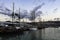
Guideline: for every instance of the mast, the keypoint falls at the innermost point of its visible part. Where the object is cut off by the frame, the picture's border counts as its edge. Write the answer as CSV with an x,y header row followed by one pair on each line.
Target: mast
x,y
19,16
13,14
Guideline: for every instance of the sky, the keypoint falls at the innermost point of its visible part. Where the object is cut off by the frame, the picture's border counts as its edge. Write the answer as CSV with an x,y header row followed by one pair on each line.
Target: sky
x,y
50,10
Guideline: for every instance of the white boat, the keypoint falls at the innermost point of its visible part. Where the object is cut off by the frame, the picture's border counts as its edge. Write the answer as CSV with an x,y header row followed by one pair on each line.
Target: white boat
x,y
33,28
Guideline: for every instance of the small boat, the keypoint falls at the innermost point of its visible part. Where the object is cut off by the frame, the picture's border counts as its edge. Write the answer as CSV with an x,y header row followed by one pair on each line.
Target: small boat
x,y
33,29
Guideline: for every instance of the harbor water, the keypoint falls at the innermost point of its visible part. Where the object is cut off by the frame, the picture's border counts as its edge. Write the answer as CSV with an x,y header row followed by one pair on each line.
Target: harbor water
x,y
43,34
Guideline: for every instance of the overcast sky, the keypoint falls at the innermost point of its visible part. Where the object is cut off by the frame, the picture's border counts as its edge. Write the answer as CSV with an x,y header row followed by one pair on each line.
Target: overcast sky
x,y
50,10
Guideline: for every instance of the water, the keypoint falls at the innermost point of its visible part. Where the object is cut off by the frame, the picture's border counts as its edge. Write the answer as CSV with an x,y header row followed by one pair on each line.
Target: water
x,y
44,34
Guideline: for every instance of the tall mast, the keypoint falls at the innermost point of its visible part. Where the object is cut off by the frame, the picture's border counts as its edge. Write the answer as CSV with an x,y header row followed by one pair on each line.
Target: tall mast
x,y
19,16
13,14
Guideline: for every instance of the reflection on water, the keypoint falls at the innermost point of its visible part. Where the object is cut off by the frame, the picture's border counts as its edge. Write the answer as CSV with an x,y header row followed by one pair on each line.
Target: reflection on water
x,y
44,34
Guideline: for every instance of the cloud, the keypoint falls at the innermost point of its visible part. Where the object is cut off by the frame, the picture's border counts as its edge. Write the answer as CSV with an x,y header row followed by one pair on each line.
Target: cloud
x,y
51,0
38,13
34,11
55,10
23,14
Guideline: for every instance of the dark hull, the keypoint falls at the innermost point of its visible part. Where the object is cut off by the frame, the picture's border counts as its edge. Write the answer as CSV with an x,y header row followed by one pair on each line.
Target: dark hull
x,y
13,30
